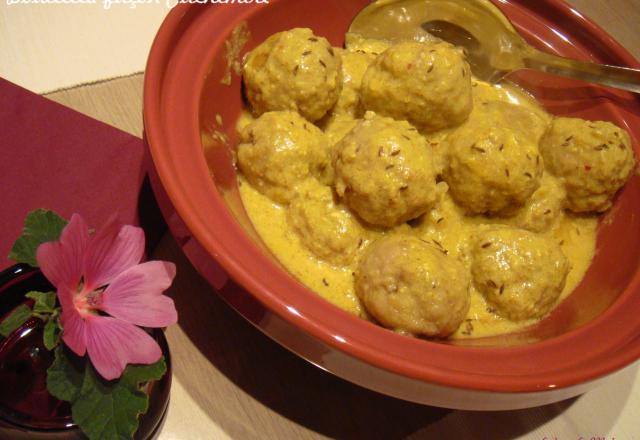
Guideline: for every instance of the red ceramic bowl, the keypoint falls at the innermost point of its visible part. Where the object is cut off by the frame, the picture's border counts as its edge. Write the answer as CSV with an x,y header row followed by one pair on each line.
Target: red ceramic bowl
x,y
592,334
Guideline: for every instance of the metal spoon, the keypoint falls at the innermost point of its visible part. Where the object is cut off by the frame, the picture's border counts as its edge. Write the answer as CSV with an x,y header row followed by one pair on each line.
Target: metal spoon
x,y
493,46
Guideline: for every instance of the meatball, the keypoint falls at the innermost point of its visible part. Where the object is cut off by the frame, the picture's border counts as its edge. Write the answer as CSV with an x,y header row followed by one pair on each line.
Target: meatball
x,y
491,168
544,207
327,229
427,84
280,150
593,159
384,172
412,286
521,274
293,70
354,64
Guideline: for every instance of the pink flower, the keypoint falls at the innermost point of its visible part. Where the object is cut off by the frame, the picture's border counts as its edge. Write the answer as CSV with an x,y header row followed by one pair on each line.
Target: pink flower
x,y
105,294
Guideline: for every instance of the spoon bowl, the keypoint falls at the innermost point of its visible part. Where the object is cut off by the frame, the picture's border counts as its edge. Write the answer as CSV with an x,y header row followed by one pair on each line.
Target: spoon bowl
x,y
492,45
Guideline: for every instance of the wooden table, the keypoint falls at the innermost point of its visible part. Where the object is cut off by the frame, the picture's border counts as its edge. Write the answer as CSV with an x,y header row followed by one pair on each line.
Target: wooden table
x,y
230,381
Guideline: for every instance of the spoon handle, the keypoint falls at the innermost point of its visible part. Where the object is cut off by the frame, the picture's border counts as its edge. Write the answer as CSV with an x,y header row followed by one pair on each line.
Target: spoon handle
x,y
623,78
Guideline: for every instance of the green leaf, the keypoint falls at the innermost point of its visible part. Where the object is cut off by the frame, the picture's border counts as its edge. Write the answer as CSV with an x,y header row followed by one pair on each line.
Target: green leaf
x,y
40,226
135,375
64,377
19,316
51,334
102,409
110,410
45,302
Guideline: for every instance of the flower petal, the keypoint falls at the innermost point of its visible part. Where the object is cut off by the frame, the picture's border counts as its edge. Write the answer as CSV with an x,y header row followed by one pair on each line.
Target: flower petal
x,y
112,344
62,261
73,325
136,295
110,251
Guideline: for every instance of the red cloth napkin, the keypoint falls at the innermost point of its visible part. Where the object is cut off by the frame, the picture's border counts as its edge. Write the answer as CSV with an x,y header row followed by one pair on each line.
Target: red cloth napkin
x,y
55,158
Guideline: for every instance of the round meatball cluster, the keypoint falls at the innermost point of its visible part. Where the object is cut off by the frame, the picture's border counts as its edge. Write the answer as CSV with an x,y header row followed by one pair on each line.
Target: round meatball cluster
x,y
280,150
384,172
400,125
412,286
521,274
427,84
293,70
593,159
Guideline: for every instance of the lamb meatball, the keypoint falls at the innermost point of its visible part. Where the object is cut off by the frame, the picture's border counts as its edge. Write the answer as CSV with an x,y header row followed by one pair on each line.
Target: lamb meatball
x,y
280,150
544,207
327,229
520,274
593,159
491,168
384,172
427,84
411,286
293,70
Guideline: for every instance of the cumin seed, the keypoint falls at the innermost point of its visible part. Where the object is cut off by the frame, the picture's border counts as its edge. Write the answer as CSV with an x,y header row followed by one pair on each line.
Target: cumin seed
x,y
306,52
486,245
323,64
324,281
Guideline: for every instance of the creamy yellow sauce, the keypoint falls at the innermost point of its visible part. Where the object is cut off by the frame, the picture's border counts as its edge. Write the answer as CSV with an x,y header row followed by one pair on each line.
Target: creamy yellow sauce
x,y
446,223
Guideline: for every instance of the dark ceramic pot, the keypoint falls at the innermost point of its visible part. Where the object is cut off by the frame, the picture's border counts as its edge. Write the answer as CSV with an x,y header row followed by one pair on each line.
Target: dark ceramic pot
x,y
27,410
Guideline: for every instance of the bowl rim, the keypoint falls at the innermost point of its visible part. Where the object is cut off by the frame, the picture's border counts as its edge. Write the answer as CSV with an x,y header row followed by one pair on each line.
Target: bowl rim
x,y
600,355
